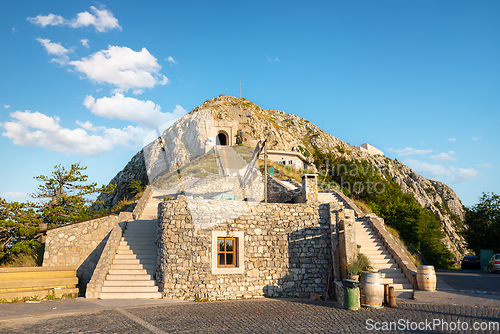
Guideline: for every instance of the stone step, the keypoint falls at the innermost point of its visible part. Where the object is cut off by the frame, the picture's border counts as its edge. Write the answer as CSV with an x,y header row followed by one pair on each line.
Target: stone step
x,y
134,237
142,257
133,266
390,272
130,272
378,257
135,261
127,283
141,241
138,252
392,280
130,289
128,277
138,241
372,245
137,247
131,295
385,265
374,252
382,261
406,286
373,248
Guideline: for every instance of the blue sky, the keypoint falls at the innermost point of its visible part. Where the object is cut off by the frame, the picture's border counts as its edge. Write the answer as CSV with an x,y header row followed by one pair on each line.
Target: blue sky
x,y
85,81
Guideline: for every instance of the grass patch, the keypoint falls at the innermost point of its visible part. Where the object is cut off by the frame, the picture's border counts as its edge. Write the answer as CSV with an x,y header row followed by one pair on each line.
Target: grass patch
x,y
244,152
199,168
49,296
363,206
281,171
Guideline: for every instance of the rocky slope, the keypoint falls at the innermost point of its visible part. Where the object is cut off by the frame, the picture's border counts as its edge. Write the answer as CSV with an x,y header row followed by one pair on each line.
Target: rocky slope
x,y
184,141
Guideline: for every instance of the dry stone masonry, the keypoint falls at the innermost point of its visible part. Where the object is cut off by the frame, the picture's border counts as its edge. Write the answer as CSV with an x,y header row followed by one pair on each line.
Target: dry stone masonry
x,y
286,248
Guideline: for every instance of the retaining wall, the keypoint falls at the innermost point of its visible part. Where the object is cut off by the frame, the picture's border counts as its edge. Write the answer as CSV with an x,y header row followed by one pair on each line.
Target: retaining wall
x,y
80,244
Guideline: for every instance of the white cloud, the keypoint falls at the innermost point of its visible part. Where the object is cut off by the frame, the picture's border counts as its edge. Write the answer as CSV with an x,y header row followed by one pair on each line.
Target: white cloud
x,y
171,60
103,20
90,127
484,165
475,138
270,59
146,113
464,175
37,129
53,48
427,169
14,195
122,67
452,139
13,30
85,43
7,106
411,151
444,156
440,172
51,19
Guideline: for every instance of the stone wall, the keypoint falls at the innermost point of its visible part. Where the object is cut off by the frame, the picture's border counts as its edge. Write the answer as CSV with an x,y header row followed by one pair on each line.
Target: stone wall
x,y
94,287
348,250
310,187
279,193
79,244
286,250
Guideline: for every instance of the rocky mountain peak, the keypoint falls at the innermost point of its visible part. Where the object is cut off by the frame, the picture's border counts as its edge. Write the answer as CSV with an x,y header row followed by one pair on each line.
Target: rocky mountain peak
x,y
245,123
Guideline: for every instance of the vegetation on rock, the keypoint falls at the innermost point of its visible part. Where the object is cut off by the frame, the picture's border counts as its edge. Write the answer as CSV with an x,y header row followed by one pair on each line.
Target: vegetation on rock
x,y
361,180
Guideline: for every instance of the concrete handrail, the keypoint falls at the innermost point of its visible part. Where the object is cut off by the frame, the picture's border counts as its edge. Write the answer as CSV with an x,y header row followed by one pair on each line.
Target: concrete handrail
x,y
141,205
348,203
94,287
397,252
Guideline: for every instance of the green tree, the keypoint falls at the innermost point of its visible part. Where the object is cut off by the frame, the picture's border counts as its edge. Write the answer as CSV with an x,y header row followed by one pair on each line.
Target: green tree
x,y
64,197
482,224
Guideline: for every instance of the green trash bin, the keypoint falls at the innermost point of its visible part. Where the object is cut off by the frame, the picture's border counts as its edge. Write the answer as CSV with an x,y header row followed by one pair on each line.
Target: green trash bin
x,y
351,294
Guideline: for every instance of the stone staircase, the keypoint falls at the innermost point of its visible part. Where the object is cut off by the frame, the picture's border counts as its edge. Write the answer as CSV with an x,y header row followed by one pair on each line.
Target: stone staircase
x,y
231,162
132,271
381,260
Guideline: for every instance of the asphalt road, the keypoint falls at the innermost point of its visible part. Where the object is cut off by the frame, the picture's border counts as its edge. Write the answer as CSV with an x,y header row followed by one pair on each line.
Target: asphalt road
x,y
266,316
470,280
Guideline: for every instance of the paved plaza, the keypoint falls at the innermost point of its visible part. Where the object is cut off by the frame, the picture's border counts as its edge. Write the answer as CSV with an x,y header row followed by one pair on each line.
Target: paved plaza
x,y
252,316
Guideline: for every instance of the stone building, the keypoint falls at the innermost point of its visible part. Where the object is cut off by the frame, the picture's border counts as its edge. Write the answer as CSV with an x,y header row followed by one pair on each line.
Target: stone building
x,y
272,249
370,149
294,159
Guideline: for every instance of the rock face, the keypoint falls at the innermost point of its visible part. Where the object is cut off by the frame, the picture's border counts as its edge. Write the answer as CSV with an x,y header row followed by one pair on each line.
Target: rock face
x,y
186,138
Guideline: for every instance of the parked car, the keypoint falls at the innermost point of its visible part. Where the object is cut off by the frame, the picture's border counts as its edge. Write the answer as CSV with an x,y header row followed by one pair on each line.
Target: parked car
x,y
494,264
471,262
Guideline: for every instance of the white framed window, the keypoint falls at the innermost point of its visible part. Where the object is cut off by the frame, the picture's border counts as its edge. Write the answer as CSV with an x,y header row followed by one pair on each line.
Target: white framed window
x,y
228,253
290,162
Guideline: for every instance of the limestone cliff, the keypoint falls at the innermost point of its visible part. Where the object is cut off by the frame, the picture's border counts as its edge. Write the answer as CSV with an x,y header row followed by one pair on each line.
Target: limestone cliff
x,y
186,139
